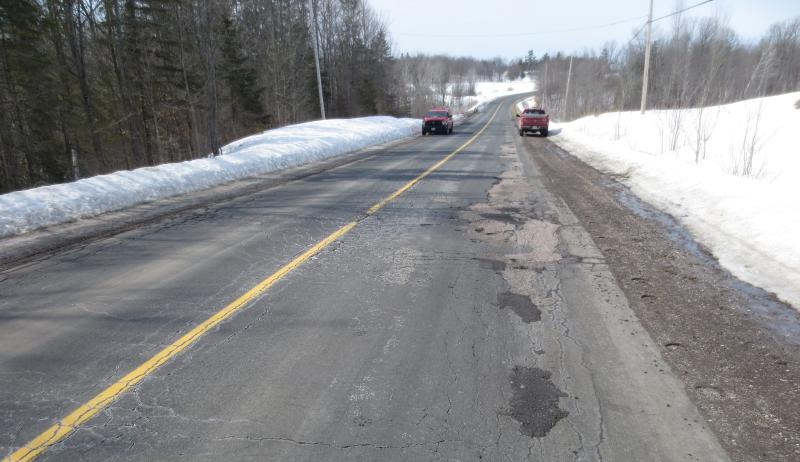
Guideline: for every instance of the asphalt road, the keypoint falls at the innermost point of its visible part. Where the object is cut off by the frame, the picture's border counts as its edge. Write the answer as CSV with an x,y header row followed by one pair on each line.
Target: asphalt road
x,y
472,317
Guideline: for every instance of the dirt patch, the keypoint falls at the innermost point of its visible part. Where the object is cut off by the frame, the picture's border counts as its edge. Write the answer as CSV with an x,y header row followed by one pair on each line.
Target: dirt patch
x,y
534,403
734,346
520,304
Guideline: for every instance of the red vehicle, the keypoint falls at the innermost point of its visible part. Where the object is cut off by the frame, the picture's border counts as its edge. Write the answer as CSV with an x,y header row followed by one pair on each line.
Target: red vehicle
x,y
533,120
438,120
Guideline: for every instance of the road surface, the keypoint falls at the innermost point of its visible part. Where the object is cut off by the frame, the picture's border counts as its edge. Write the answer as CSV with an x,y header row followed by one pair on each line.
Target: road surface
x,y
472,317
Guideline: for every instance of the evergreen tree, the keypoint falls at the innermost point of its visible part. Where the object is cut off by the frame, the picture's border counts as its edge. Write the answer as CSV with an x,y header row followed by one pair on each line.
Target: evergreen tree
x,y
242,79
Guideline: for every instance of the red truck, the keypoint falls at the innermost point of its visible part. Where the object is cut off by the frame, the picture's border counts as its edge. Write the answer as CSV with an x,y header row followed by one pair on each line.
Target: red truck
x,y
438,120
533,120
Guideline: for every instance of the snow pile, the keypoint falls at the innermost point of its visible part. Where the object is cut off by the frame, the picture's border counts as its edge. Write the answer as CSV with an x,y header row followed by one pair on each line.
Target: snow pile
x,y
269,151
730,174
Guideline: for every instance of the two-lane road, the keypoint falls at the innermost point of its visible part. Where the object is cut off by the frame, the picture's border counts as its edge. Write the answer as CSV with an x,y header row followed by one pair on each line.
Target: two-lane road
x,y
470,317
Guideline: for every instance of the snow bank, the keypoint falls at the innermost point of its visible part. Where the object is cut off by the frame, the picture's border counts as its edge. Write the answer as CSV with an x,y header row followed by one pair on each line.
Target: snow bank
x,y
269,151
695,165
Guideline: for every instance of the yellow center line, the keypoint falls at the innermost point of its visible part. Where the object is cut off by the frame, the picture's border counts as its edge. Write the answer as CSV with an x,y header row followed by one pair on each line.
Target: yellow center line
x,y
86,411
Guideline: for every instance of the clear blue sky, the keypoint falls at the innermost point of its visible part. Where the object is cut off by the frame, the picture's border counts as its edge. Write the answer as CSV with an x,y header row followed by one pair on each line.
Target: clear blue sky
x,y
485,28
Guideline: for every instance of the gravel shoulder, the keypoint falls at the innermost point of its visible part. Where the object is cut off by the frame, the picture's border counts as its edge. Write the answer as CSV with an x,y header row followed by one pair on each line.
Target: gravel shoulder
x,y
736,347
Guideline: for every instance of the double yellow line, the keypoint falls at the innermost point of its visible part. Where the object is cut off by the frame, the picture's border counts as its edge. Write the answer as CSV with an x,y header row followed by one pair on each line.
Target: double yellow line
x,y
64,427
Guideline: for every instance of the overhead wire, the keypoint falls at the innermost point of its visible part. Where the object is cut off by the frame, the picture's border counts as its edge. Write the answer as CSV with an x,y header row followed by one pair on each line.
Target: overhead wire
x,y
681,11
639,31
561,31
524,34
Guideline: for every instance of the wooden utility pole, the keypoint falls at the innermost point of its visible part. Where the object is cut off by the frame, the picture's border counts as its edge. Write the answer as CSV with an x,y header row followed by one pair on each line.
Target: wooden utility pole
x,y
566,96
76,172
544,85
316,58
648,45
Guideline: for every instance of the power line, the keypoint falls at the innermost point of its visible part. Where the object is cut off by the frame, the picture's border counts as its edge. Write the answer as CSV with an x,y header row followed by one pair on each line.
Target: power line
x,y
526,34
561,31
636,34
639,31
681,11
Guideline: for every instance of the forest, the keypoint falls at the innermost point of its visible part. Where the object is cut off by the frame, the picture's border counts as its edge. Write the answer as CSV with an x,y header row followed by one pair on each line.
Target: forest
x,y
92,86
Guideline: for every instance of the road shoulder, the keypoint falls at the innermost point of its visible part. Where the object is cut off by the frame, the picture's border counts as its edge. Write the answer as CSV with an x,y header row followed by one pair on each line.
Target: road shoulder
x,y
735,347
619,400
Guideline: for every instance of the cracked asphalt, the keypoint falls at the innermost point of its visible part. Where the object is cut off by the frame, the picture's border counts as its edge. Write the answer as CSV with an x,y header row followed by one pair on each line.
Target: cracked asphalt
x,y
473,318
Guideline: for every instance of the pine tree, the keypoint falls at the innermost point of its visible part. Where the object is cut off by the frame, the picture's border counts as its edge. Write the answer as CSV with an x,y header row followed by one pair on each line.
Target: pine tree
x,y
31,146
241,79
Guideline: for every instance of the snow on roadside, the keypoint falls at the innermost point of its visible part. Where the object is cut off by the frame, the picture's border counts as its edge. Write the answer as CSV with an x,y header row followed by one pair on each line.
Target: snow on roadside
x,y
750,223
272,150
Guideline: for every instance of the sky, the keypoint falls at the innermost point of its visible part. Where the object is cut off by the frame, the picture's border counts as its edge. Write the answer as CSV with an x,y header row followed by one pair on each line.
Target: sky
x,y
509,28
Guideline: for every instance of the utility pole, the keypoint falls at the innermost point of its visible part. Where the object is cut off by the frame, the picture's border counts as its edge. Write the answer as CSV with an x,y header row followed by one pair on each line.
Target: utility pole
x,y
648,45
566,97
76,172
544,85
316,58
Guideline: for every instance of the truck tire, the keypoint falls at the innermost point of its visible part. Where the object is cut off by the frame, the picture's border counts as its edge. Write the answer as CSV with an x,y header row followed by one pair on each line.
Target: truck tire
x,y
521,133
544,133
424,132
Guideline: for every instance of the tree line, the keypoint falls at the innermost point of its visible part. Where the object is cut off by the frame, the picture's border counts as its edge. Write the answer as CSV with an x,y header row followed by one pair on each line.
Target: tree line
x,y
120,84
694,63
439,80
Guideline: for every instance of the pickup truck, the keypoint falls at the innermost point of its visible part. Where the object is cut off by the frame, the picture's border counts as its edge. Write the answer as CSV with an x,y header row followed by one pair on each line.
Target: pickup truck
x,y
438,120
533,120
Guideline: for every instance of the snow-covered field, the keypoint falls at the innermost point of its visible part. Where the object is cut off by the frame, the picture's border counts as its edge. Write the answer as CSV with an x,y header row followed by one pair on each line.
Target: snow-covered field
x,y
486,92
525,104
489,91
269,151
730,174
